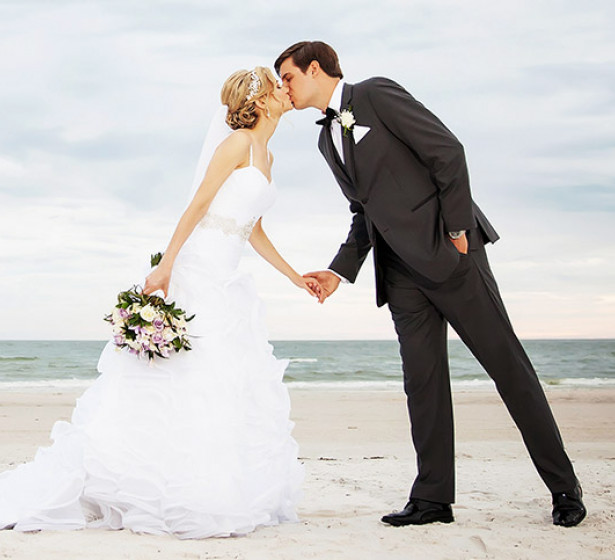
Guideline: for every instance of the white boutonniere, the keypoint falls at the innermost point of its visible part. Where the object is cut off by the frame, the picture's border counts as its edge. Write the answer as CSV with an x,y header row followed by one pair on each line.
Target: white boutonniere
x,y
347,120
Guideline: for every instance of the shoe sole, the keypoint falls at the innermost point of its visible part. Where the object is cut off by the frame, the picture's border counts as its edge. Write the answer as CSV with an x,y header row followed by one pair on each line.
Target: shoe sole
x,y
395,522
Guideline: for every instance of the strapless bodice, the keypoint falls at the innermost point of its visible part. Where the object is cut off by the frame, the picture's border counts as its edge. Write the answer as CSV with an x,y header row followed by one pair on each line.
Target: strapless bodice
x,y
214,249
243,198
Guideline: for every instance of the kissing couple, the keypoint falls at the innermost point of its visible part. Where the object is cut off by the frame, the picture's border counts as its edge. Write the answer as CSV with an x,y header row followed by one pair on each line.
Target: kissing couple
x,y
200,445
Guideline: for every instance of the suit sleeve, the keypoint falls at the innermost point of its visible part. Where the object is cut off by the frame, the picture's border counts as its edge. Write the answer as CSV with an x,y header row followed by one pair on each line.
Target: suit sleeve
x,y
434,145
353,251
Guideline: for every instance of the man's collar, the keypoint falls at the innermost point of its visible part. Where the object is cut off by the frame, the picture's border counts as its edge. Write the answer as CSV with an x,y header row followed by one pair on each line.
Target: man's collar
x,y
336,97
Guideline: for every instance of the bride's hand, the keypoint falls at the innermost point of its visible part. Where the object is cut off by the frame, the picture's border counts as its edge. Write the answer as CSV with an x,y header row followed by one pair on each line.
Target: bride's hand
x,y
310,285
158,279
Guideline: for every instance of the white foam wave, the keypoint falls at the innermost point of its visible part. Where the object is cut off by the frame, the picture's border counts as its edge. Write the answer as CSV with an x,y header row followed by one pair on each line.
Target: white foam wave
x,y
303,360
580,382
466,384
46,385
346,385
471,383
463,385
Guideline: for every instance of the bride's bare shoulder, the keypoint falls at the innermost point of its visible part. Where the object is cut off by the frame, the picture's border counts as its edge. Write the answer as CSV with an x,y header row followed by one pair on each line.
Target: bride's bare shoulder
x,y
237,143
242,135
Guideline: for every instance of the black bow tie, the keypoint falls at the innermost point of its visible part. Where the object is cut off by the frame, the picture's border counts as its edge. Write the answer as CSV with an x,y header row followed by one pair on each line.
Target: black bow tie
x,y
330,114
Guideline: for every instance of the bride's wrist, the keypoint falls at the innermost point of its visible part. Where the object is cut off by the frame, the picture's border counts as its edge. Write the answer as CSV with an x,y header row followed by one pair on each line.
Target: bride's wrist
x,y
166,263
163,268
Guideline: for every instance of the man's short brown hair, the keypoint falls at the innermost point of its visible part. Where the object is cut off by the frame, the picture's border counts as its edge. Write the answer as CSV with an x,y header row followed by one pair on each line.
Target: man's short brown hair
x,y
304,52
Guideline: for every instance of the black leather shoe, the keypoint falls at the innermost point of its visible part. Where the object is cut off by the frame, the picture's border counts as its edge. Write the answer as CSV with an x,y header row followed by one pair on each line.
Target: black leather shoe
x,y
568,508
420,512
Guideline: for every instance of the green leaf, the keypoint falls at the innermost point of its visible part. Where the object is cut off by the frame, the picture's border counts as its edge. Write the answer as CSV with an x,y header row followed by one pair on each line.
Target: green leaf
x,y
155,259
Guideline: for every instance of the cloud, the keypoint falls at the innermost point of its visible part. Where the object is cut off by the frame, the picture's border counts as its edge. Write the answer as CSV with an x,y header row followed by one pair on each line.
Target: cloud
x,y
578,198
105,106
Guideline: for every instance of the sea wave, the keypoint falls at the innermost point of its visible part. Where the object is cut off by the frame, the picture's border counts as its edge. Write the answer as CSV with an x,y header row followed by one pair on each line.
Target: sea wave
x,y
346,385
18,358
303,360
46,385
580,382
75,384
461,384
471,383
379,385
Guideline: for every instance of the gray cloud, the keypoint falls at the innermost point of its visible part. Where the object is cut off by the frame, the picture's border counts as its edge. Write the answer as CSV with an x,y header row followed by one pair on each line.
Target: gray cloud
x,y
105,105
576,198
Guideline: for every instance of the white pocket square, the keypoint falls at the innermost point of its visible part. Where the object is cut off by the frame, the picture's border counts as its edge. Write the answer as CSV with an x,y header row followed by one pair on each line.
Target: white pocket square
x,y
359,132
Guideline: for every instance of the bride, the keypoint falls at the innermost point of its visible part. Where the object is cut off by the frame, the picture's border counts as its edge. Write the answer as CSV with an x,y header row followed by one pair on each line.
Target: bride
x,y
198,445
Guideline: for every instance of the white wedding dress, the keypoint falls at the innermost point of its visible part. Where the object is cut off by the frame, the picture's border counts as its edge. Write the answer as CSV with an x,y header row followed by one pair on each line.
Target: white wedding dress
x,y
197,445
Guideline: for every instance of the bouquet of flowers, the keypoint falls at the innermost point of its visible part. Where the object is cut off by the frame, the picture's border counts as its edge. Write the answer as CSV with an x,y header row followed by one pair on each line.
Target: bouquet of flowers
x,y
147,325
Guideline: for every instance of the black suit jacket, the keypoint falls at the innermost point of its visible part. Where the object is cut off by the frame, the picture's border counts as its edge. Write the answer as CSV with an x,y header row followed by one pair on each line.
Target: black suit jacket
x,y
407,178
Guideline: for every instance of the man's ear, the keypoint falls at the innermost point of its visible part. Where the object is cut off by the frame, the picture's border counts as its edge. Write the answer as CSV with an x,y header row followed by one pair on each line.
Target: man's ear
x,y
314,68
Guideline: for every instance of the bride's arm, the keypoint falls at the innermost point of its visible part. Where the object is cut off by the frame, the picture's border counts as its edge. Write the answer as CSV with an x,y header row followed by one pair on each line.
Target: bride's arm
x,y
263,246
229,155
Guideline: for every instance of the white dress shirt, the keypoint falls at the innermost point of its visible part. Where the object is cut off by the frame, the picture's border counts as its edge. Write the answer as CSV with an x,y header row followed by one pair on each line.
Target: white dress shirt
x,y
336,128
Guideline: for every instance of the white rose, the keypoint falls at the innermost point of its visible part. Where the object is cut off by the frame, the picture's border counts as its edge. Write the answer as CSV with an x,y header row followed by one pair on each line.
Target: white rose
x,y
143,338
116,317
347,119
148,313
168,333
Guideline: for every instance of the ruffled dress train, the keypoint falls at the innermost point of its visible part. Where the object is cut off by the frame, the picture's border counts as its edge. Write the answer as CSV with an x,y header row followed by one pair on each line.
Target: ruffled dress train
x,y
197,445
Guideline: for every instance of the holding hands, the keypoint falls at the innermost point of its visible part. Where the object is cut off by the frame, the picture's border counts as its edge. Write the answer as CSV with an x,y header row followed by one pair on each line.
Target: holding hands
x,y
327,282
310,285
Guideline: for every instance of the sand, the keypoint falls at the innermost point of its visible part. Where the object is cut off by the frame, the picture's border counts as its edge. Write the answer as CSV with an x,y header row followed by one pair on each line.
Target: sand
x,y
359,465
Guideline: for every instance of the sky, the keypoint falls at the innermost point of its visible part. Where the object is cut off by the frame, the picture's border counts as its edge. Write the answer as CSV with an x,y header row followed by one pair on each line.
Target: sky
x,y
104,106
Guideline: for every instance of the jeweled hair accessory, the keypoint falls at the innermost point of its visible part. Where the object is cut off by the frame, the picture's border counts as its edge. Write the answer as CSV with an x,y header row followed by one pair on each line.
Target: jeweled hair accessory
x,y
255,85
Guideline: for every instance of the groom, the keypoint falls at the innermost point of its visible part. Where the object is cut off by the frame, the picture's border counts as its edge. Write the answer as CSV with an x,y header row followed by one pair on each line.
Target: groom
x,y
404,174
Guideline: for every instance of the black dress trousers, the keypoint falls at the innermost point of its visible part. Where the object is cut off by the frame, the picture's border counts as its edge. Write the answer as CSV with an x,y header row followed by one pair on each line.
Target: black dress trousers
x,y
469,300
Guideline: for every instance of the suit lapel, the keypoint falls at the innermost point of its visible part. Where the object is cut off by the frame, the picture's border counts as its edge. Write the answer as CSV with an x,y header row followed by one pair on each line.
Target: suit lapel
x,y
348,138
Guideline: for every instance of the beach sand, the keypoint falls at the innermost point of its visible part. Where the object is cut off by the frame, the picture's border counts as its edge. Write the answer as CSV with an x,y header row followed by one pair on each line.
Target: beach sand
x,y
359,464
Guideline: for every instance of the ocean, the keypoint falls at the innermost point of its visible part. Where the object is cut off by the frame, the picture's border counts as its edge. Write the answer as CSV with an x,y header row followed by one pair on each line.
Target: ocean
x,y
350,365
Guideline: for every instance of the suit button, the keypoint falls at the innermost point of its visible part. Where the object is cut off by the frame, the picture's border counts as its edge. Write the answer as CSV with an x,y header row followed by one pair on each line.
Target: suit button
x,y
364,201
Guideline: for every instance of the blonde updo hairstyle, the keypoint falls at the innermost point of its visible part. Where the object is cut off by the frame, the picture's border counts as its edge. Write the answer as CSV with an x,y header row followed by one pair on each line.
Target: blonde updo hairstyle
x,y
241,100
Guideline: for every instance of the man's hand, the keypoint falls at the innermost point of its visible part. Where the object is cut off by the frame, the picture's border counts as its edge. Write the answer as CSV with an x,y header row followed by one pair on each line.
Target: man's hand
x,y
328,283
461,244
